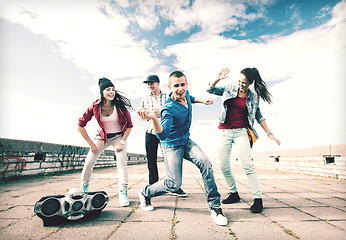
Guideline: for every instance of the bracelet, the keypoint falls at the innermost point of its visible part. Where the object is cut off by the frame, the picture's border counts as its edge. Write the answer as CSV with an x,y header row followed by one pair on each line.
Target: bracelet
x,y
122,142
270,134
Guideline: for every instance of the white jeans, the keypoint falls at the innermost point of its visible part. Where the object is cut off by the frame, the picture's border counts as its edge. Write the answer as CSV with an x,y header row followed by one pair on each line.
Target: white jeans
x,y
240,139
121,158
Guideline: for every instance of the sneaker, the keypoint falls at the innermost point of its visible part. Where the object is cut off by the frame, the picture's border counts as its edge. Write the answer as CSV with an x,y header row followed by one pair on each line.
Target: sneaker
x,y
123,199
85,187
257,206
145,202
232,198
179,193
218,217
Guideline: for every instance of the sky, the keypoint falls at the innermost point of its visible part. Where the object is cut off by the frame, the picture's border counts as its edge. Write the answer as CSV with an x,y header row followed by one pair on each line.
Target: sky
x,y
52,54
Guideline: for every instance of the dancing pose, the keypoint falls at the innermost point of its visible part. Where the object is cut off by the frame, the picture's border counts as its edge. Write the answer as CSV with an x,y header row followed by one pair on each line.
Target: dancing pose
x,y
240,108
114,119
174,132
153,102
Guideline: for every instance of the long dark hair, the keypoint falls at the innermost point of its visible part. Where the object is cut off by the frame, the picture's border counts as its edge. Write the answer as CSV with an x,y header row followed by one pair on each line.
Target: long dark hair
x,y
119,101
252,75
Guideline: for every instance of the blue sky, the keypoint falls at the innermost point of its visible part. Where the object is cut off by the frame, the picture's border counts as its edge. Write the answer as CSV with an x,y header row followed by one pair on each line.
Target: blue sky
x,y
53,53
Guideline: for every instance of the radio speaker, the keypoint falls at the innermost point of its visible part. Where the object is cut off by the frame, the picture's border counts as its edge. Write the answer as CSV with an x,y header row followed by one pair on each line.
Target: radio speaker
x,y
73,205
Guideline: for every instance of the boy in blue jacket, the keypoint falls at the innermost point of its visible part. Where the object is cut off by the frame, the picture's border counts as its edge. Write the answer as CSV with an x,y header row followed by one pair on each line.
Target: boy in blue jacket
x,y
174,134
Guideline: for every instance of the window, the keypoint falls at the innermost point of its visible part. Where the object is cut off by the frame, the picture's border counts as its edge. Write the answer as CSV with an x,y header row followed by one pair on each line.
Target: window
x,y
276,158
329,158
40,157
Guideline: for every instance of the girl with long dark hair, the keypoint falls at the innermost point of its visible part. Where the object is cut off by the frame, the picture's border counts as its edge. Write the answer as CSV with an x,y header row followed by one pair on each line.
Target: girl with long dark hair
x,y
240,109
112,114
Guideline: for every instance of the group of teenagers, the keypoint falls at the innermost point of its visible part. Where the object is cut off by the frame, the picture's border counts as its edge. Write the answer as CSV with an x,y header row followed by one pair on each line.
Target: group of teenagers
x,y
168,119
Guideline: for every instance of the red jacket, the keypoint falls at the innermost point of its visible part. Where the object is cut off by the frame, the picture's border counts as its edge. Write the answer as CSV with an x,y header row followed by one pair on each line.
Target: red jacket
x,y
95,110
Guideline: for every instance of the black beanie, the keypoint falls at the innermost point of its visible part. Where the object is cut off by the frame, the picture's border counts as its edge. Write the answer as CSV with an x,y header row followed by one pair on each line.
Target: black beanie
x,y
105,83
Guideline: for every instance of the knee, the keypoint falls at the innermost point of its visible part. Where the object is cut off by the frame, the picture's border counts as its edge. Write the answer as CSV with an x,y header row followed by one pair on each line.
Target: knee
x,y
225,166
173,185
122,164
249,169
89,164
204,163
121,160
225,170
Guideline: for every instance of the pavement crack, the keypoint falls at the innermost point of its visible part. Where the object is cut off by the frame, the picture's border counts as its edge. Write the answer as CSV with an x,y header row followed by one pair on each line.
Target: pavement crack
x,y
174,220
134,208
232,233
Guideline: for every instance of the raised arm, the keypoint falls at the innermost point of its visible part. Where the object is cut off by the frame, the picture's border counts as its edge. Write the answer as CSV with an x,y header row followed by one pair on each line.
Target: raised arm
x,y
218,90
222,75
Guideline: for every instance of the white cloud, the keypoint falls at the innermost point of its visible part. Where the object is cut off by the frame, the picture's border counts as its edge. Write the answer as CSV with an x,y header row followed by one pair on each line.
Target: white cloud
x,y
323,12
309,104
295,18
211,17
90,34
122,3
94,35
146,16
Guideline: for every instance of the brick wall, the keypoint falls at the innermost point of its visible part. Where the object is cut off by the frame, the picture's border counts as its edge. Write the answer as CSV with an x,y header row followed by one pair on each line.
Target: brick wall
x,y
23,158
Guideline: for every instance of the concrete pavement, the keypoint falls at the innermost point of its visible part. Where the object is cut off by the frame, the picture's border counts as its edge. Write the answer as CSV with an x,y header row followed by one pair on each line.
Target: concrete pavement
x,y
296,207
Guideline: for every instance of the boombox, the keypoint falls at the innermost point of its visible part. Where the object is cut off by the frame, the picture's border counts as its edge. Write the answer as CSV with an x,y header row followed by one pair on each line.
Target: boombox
x,y
73,205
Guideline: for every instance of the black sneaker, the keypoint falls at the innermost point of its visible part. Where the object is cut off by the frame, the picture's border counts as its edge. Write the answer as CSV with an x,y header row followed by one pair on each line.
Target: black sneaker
x,y
257,206
179,193
232,198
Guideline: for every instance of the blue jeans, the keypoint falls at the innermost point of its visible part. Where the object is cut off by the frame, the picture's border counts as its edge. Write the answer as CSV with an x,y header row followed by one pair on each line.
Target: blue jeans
x,y
173,157
240,139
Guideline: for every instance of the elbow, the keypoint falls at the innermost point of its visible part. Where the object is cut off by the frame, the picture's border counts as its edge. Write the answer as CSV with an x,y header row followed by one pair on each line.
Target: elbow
x,y
261,120
129,125
161,135
80,129
82,123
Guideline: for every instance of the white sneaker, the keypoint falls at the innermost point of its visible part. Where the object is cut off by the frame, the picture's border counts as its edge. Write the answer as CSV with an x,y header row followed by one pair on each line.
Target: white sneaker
x,y
123,198
145,202
218,217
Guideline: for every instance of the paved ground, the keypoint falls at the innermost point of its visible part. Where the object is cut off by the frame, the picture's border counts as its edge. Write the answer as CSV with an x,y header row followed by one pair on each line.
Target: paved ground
x,y
296,207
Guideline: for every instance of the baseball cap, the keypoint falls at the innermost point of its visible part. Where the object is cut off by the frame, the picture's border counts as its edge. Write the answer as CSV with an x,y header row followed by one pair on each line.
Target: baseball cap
x,y
152,78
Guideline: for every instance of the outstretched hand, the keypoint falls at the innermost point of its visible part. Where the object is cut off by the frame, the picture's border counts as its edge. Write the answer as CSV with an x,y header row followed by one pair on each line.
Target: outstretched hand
x,y
145,114
209,101
223,74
